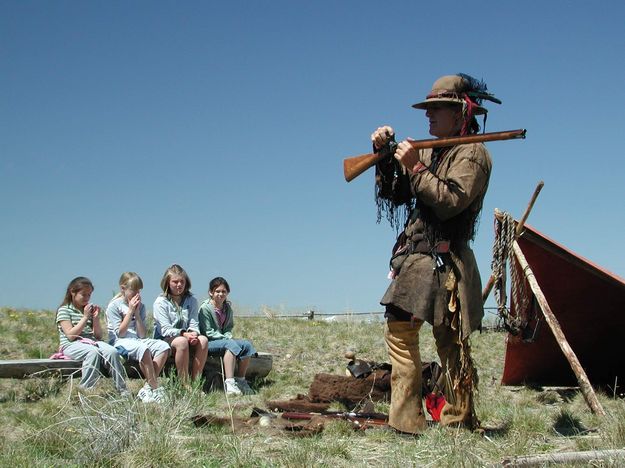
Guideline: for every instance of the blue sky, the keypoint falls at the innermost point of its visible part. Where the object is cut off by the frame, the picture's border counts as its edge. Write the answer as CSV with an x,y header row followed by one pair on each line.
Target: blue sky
x,y
134,135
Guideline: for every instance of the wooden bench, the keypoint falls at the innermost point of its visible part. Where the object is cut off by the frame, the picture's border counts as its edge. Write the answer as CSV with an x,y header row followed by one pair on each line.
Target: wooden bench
x,y
259,367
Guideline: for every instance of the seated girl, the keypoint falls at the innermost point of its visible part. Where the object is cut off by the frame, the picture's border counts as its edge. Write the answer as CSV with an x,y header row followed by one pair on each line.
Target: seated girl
x,y
176,322
80,334
127,332
216,322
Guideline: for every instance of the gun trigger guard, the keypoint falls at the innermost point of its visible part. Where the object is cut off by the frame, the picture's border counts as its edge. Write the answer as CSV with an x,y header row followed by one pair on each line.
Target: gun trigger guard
x,y
392,146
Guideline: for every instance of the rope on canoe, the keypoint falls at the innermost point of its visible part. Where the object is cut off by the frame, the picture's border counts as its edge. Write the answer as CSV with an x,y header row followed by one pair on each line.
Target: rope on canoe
x,y
505,235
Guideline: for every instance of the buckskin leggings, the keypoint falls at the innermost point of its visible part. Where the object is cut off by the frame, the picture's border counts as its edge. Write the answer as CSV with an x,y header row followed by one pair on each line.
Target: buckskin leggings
x,y
406,411
402,340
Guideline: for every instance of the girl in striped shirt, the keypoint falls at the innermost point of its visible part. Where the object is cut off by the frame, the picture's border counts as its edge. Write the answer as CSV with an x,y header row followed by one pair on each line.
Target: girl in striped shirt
x,y
80,335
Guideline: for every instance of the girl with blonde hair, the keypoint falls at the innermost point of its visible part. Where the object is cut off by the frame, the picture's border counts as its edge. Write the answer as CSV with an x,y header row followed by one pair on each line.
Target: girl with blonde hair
x,y
127,329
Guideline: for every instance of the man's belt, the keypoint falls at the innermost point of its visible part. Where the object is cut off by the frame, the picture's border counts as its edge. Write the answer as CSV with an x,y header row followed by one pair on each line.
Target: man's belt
x,y
423,246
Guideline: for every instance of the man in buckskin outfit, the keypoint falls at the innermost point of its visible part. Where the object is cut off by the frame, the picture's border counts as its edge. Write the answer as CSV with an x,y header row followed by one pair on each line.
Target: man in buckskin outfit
x,y
434,274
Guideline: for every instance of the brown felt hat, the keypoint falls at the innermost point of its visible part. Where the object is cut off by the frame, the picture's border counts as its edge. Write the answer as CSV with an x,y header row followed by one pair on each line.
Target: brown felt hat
x,y
455,89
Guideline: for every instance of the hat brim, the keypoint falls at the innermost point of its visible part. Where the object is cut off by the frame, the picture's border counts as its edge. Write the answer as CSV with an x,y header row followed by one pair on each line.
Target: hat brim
x,y
477,110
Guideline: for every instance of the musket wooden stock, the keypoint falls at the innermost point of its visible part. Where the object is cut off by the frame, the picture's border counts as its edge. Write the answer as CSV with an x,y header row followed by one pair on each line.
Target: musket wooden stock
x,y
356,165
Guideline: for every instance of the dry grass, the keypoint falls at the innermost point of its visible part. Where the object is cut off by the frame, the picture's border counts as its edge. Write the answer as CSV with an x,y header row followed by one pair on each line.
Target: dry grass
x,y
48,423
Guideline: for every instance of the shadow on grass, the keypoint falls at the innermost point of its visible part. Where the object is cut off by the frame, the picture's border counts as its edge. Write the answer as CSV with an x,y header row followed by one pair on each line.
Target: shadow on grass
x,y
553,394
567,425
498,431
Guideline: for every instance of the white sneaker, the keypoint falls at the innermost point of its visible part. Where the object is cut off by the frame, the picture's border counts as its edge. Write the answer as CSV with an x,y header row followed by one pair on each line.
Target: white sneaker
x,y
145,394
244,386
231,387
159,394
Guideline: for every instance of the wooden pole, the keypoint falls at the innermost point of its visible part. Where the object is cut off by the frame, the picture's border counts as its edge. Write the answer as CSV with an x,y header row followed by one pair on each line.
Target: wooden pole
x,y
565,457
519,228
521,223
552,321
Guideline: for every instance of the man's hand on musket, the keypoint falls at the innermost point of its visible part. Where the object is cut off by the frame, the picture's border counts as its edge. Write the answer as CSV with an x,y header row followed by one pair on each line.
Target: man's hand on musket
x,y
382,136
407,155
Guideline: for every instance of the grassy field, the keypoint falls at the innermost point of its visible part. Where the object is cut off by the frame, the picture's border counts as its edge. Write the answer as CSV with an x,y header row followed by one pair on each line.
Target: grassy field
x,y
47,422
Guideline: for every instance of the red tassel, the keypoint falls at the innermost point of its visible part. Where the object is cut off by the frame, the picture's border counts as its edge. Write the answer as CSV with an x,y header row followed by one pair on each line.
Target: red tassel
x,y
434,405
469,115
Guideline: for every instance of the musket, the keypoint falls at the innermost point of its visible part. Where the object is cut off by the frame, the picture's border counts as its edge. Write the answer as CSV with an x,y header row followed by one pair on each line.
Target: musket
x,y
356,165
362,420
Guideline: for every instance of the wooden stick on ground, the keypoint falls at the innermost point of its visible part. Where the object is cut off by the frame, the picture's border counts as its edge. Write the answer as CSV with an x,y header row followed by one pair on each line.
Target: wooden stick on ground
x,y
519,228
565,457
552,321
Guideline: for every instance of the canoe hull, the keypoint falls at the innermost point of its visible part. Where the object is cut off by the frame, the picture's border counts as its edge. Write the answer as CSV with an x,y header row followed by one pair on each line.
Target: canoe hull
x,y
589,303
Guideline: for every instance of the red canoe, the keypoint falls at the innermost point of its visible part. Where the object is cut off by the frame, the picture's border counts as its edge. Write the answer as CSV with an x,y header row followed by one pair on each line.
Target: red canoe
x,y
589,303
